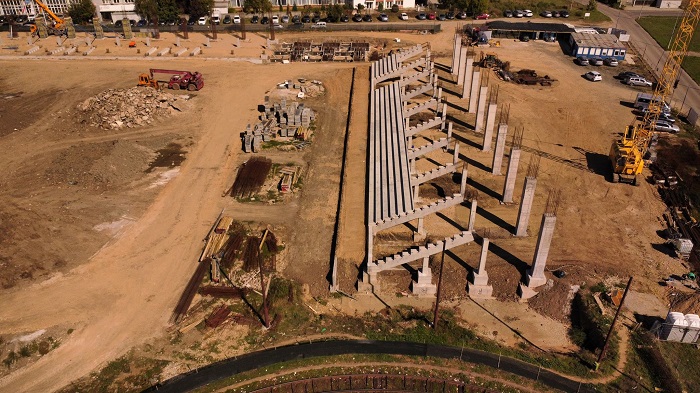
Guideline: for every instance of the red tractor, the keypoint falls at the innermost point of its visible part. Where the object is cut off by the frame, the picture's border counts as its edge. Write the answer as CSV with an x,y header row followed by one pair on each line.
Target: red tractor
x,y
172,79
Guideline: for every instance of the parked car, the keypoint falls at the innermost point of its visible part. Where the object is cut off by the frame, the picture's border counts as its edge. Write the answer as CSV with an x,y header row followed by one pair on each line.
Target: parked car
x,y
442,17
216,19
285,19
627,74
596,61
611,62
555,14
264,20
384,17
593,76
357,18
227,19
450,15
462,15
527,13
422,16
296,19
482,16
637,81
275,19
367,18
190,22
546,14
667,117
519,13
332,19
344,19
582,61
662,125
524,37
255,19
306,19
403,16
317,18
118,24
141,23
319,25
508,13
431,16
203,21
564,13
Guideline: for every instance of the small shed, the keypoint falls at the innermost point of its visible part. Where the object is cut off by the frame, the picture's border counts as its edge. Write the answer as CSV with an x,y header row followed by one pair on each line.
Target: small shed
x,y
597,45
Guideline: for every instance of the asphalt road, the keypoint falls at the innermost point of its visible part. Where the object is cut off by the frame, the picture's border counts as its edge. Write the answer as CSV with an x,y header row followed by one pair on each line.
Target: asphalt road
x,y
251,361
687,94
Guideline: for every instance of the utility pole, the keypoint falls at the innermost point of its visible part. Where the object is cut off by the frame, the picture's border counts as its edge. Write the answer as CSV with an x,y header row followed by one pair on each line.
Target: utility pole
x,y
439,287
612,325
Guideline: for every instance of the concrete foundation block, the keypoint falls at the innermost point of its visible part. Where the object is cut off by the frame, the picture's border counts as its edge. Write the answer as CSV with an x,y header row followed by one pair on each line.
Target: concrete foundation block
x,y
479,278
480,291
534,281
525,293
424,286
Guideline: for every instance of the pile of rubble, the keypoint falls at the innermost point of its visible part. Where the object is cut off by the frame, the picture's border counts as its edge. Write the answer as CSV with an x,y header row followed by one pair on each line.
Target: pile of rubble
x,y
118,108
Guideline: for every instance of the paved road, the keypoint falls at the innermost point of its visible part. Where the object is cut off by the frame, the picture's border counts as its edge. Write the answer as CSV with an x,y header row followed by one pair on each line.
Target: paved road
x,y
687,94
256,360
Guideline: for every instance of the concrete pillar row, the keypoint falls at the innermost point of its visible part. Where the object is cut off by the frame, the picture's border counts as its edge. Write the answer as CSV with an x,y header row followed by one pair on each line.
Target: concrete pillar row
x,y
455,154
500,147
511,175
526,206
468,75
456,54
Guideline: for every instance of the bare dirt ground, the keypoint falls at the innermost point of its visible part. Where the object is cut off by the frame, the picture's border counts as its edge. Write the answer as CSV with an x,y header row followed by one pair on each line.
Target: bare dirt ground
x,y
117,288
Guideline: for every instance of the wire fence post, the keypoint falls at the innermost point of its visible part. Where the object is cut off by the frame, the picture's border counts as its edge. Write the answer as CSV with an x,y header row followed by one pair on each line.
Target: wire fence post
x,y
538,373
499,360
462,351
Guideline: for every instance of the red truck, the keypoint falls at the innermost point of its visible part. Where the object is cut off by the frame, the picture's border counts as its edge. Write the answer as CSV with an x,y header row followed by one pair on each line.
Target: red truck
x,y
172,79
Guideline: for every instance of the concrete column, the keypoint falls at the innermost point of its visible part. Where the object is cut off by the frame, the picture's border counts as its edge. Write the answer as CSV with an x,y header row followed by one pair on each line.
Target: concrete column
x,y
370,243
535,276
525,206
148,41
456,55
472,215
481,109
439,97
511,175
463,180
500,147
474,94
462,65
419,234
478,282
443,112
449,132
334,276
468,74
177,41
455,154
424,285
490,123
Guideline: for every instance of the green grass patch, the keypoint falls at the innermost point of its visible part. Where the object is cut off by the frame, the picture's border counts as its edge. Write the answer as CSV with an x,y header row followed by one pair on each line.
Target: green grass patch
x,y
691,65
661,29
684,359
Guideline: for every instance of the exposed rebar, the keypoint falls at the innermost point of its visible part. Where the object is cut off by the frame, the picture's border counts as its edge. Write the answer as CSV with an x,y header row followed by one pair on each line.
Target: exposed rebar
x,y
533,168
553,200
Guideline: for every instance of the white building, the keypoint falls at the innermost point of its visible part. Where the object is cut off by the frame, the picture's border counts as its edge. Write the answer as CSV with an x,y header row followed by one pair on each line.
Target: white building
x,y
114,10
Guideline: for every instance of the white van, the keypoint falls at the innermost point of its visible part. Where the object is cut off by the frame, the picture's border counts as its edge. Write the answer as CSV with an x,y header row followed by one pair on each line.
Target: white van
x,y
319,25
643,100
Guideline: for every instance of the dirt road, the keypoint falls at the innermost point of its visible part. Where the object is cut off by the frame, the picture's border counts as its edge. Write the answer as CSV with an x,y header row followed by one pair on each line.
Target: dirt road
x,y
125,293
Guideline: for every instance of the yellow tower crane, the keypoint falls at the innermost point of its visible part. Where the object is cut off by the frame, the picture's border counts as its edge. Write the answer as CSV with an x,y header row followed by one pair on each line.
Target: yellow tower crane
x,y
627,155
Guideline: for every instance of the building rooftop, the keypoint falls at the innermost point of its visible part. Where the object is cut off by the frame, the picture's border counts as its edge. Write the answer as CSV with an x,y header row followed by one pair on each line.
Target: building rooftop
x,y
530,26
597,40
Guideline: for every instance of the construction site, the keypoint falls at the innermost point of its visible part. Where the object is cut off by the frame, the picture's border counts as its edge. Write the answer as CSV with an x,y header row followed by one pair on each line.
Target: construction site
x,y
256,201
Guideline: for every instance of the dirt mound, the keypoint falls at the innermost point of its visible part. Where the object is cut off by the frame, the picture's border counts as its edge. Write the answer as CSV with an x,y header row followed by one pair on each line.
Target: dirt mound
x,y
687,303
118,108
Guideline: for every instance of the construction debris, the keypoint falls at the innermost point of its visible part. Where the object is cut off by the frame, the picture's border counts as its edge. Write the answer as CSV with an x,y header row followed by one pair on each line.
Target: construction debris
x,y
118,108
218,317
251,177
291,120
320,51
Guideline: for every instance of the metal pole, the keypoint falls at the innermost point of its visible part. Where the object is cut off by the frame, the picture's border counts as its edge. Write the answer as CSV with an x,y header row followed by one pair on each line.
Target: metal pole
x,y
439,287
612,325
266,318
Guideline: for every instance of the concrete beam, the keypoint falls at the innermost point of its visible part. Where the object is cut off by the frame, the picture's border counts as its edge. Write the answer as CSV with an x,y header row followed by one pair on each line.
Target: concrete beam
x,y
433,174
434,207
420,252
425,149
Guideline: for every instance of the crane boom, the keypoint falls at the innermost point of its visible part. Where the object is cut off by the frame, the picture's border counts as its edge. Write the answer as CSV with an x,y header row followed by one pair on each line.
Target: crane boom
x,y
627,154
58,22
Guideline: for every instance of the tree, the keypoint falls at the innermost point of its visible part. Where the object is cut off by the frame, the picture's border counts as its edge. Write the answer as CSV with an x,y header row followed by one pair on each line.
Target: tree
x,y
168,10
294,7
591,5
476,7
199,8
360,7
81,11
380,6
257,6
146,8
335,11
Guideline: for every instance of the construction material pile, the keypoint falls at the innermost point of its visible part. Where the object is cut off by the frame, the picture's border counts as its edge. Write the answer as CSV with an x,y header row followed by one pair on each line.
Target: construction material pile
x,y
118,108
251,177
